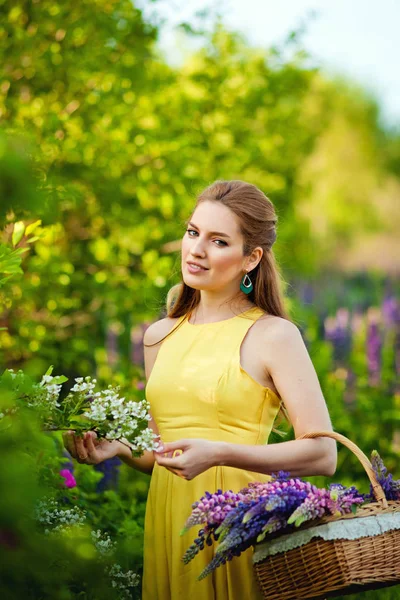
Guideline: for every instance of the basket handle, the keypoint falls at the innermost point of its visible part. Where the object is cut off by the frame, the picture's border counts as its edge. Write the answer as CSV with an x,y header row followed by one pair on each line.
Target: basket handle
x,y
364,460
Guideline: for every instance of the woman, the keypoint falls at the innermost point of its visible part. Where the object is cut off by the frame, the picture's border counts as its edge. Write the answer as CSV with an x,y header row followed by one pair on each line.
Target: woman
x,y
219,367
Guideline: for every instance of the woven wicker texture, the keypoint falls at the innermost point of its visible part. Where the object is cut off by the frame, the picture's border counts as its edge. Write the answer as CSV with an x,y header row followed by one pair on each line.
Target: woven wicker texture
x,y
343,529
323,568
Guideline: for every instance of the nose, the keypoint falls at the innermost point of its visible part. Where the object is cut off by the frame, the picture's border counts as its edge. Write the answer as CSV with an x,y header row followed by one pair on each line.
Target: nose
x,y
197,247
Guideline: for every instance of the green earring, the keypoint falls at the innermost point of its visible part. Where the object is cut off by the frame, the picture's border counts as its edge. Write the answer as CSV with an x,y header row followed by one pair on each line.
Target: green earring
x,y
246,287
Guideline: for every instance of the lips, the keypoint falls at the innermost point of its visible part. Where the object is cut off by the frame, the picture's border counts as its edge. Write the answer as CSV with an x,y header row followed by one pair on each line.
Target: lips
x,y
195,265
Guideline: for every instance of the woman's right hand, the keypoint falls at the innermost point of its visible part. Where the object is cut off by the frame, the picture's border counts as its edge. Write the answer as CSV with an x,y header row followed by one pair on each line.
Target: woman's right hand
x,y
88,449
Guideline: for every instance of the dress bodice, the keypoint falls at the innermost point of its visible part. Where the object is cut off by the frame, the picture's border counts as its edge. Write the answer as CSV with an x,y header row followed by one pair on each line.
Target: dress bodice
x,y
198,388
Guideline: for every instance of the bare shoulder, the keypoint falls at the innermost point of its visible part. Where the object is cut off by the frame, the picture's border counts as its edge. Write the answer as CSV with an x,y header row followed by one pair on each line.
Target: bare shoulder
x,y
159,329
152,340
278,329
282,344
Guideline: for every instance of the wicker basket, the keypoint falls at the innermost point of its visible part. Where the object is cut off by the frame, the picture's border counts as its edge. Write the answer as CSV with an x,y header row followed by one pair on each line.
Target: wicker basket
x,y
327,568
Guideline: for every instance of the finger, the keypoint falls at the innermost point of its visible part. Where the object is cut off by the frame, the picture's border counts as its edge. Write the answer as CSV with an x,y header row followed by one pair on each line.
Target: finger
x,y
166,454
69,443
174,463
80,448
90,434
89,443
170,446
177,473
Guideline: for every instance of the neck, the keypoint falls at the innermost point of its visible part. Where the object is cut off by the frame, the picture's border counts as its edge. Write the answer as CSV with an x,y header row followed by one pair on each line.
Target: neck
x,y
212,309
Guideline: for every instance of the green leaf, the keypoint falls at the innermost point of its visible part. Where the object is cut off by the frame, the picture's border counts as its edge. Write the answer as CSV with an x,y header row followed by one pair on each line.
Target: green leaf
x,y
299,521
49,370
77,419
261,537
4,279
59,379
32,226
18,232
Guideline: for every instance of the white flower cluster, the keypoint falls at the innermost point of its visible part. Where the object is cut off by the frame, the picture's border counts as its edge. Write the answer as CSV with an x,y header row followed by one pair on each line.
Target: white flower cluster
x,y
145,440
52,393
103,543
123,581
116,418
86,385
43,396
49,513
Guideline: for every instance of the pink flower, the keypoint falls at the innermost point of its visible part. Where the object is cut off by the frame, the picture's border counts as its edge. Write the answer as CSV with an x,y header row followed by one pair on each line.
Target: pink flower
x,y
69,479
140,385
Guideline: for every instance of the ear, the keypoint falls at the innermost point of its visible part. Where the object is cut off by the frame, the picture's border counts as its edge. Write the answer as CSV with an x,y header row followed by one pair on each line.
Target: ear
x,y
254,258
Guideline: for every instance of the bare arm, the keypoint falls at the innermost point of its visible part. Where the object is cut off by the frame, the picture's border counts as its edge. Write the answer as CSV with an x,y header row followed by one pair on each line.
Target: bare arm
x,y
291,368
145,463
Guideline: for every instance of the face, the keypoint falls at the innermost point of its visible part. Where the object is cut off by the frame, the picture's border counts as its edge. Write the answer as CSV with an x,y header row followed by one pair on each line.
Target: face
x,y
213,240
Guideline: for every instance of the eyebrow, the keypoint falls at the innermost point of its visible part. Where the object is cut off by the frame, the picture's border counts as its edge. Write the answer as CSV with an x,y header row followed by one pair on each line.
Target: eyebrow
x,y
213,232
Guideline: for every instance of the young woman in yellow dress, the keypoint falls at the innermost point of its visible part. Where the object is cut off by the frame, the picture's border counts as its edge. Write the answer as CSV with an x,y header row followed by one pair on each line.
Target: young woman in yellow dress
x,y
220,367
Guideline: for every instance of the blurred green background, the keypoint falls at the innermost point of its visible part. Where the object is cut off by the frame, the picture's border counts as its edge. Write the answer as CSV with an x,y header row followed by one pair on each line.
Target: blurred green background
x,y
103,149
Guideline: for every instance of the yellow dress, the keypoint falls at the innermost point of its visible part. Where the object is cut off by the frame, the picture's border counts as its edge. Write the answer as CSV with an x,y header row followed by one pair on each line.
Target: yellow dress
x,y
198,389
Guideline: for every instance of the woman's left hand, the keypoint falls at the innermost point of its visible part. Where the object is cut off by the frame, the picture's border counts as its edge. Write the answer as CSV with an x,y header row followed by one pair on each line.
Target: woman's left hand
x,y
189,457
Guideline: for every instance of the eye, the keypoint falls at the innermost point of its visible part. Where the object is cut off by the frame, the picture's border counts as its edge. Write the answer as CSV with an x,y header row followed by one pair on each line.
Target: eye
x,y
189,231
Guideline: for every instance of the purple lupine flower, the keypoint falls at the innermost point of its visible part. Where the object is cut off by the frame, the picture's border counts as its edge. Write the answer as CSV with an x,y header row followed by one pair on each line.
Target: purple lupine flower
x,y
374,350
273,524
313,507
389,485
390,311
240,533
110,470
337,331
337,500
397,351
391,319
204,537
212,508
67,463
306,292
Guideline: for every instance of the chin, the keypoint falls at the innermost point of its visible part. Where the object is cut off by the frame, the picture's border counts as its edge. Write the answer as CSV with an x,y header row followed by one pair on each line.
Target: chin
x,y
192,284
